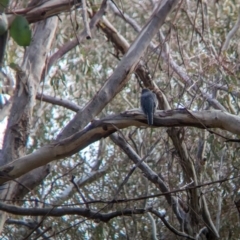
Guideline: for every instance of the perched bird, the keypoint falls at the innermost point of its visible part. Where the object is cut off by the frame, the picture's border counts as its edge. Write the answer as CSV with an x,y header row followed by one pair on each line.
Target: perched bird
x,y
149,104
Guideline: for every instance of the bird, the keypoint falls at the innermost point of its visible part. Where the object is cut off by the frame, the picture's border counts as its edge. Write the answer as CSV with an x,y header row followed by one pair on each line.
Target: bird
x,y
149,104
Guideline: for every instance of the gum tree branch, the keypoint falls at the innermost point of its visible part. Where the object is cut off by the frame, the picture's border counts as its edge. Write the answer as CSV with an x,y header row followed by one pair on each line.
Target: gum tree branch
x,y
102,128
44,10
28,77
161,194
169,226
85,20
73,43
61,211
122,72
185,78
231,33
149,174
69,190
121,44
28,224
167,57
153,225
224,87
58,101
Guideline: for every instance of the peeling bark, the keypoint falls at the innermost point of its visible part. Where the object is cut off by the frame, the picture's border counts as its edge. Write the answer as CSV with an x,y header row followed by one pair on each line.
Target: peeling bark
x,y
28,79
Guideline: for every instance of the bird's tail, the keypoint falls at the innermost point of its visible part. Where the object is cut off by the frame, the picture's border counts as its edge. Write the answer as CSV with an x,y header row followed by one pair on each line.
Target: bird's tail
x,y
150,118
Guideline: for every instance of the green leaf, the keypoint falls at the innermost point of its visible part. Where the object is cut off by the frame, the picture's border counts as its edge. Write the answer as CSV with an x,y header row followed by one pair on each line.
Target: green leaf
x,y
14,66
20,31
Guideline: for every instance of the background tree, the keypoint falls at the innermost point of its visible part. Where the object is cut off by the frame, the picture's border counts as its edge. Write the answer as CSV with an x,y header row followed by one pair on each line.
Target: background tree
x,y
78,160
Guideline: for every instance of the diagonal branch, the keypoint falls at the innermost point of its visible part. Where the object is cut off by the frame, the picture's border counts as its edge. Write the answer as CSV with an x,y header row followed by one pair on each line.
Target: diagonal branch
x,y
170,227
231,33
29,224
73,43
149,173
123,71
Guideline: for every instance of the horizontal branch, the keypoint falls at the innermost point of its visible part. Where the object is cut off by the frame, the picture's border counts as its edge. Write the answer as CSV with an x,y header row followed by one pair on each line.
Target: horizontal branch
x,y
43,10
59,212
103,128
58,101
29,224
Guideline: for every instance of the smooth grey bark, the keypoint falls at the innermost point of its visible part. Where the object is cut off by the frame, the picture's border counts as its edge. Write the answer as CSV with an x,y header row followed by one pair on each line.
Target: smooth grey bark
x,y
123,71
102,128
28,78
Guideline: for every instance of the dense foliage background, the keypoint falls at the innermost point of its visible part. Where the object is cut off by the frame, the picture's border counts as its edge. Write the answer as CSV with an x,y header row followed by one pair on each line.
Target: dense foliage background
x,y
192,64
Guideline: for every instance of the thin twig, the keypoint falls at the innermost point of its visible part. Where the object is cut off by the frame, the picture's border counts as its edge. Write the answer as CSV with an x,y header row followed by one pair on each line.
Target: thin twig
x,y
42,234
135,166
40,223
76,186
73,43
